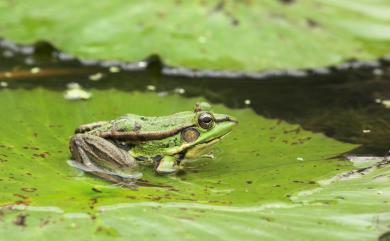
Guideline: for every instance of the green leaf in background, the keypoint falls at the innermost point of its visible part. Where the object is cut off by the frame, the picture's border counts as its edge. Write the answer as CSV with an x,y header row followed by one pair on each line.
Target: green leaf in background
x,y
223,35
257,187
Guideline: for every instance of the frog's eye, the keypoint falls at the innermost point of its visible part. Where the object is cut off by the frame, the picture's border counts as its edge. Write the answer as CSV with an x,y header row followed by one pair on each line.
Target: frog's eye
x,y
206,120
189,134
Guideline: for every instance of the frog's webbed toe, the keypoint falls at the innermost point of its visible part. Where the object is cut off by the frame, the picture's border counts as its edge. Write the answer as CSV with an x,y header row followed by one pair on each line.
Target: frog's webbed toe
x,y
102,158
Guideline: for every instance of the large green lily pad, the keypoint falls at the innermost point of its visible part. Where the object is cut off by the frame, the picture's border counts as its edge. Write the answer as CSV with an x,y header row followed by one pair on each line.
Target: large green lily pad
x,y
261,161
256,187
224,35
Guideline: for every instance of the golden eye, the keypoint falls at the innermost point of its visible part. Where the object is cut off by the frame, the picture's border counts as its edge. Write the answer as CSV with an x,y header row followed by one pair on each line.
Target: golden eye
x,y
206,120
189,134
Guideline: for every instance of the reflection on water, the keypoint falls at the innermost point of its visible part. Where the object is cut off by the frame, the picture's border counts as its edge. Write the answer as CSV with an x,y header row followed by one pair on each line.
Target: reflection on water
x,y
342,102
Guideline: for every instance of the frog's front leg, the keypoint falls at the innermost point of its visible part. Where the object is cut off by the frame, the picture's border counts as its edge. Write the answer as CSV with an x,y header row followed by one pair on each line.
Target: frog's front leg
x,y
90,126
100,157
167,165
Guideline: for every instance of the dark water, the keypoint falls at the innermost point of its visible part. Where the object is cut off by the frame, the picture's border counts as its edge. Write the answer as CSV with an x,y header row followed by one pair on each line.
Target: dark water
x,y
340,101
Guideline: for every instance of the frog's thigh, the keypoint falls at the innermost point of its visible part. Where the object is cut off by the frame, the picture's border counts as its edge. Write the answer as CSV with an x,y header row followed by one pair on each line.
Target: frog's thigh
x,y
167,165
89,150
90,126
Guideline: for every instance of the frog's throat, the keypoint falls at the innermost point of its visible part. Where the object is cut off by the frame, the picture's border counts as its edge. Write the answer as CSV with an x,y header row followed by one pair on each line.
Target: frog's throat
x,y
199,150
188,146
137,136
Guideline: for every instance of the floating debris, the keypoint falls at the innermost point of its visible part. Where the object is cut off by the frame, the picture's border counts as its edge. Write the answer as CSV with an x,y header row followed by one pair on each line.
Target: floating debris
x,y
151,87
141,64
162,93
377,100
386,103
29,61
377,72
366,131
76,92
65,57
3,84
35,70
8,74
88,62
8,54
179,91
114,69
300,159
247,102
96,77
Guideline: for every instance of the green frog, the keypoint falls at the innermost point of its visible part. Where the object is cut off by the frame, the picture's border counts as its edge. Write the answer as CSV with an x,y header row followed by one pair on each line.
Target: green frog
x,y
113,149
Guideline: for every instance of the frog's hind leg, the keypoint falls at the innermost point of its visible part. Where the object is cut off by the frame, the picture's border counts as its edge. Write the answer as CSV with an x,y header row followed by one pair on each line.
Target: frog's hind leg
x,y
90,126
102,158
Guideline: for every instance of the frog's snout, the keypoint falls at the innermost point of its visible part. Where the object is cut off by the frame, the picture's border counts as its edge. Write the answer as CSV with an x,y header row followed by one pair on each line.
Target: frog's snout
x,y
226,118
225,123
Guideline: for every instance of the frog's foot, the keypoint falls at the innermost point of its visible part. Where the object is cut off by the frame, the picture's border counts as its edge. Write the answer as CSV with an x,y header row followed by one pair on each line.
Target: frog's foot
x,y
102,158
167,165
89,127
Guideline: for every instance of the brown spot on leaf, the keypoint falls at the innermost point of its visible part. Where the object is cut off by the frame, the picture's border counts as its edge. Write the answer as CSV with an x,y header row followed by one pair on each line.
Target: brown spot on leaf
x,y
28,189
219,6
96,190
312,23
20,220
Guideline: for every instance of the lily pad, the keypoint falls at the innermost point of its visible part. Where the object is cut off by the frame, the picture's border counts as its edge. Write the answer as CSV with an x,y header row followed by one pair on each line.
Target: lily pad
x,y
262,160
221,35
256,186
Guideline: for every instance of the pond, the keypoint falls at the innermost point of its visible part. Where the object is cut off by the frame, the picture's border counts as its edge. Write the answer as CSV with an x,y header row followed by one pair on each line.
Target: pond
x,y
296,129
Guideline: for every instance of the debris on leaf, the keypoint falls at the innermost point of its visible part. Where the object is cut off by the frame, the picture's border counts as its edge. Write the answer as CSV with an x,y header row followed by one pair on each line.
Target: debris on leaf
x,y
76,92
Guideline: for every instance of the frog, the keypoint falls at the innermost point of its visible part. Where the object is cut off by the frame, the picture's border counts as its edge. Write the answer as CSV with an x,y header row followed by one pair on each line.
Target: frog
x,y
114,150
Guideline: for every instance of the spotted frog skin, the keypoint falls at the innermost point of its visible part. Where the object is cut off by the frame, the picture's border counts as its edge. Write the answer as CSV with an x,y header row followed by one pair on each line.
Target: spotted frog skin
x,y
113,149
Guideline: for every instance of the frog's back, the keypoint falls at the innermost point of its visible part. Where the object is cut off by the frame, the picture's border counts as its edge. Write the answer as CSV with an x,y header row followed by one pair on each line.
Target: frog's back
x,y
137,123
